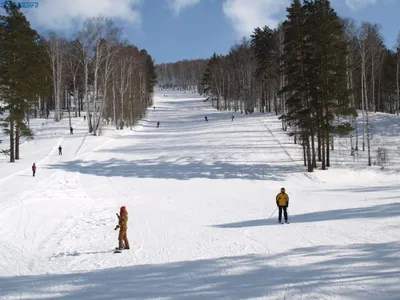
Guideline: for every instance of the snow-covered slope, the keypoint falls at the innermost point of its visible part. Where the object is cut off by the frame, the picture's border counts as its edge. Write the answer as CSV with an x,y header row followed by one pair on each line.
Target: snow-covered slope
x,y
201,202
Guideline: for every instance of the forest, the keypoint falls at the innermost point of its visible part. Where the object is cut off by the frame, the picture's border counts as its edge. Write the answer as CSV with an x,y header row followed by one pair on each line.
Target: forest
x,y
96,71
316,70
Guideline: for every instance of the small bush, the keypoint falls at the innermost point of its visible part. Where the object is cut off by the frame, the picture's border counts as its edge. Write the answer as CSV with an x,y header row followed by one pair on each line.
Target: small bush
x,y
382,157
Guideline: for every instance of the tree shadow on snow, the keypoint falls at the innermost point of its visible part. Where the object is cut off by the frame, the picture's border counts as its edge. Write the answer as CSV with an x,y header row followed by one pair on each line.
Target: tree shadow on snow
x,y
366,189
182,170
377,211
366,271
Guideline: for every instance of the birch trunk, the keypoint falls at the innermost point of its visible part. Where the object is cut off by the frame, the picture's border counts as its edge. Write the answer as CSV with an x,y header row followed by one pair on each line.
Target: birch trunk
x,y
397,80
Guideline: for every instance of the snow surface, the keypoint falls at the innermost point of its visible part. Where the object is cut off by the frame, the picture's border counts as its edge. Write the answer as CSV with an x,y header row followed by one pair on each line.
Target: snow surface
x,y
202,220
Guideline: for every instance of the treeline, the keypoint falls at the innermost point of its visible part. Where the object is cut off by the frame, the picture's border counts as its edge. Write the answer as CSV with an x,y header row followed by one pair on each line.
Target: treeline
x,y
96,72
316,70
183,75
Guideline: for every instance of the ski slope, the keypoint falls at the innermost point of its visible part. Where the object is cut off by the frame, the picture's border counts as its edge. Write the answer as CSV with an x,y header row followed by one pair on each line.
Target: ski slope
x,y
201,202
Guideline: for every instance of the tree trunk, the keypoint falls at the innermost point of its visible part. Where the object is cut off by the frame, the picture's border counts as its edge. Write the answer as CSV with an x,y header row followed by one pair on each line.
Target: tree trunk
x,y
87,96
114,105
308,148
313,150
363,95
68,107
368,125
319,145
17,139
328,162
12,141
304,151
323,145
373,81
398,82
76,96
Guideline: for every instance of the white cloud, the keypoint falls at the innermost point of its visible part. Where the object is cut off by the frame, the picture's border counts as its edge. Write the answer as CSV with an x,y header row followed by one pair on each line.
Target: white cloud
x,y
178,5
246,15
64,14
358,4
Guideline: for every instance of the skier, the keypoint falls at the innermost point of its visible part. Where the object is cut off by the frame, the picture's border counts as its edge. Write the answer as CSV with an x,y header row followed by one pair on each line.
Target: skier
x,y
59,150
34,169
154,107
206,118
158,124
71,131
123,227
232,118
282,201
84,118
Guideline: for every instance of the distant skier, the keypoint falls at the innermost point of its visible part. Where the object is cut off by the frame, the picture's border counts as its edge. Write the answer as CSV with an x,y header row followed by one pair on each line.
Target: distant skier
x,y
206,118
232,118
59,150
84,118
158,124
123,227
71,131
282,201
34,169
154,107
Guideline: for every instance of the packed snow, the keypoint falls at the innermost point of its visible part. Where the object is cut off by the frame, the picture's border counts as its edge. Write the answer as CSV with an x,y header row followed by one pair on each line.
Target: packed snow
x,y
201,202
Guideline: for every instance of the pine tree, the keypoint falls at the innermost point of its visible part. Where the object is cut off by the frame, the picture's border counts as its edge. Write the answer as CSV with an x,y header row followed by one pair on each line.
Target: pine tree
x,y
210,78
327,72
22,63
263,46
295,68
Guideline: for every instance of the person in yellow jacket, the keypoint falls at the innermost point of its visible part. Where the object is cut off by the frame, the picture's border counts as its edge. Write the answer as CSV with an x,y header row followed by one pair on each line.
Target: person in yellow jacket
x,y
282,201
123,227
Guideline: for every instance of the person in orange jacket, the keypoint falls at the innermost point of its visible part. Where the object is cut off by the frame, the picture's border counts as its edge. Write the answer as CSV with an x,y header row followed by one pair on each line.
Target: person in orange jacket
x,y
282,201
123,227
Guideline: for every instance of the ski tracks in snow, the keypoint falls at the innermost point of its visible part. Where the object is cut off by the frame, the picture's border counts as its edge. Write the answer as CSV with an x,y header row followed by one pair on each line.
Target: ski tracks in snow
x,y
43,211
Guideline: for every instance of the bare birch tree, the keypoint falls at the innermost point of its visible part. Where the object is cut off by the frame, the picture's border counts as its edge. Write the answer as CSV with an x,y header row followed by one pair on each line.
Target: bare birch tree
x,y
85,42
364,49
106,40
55,47
73,67
352,63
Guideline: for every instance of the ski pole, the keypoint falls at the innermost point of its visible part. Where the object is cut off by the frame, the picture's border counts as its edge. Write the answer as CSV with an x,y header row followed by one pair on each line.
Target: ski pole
x,y
272,213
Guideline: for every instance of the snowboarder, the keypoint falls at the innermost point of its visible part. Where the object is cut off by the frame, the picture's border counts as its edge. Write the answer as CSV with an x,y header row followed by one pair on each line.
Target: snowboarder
x,y
59,150
123,227
158,124
34,169
71,131
206,118
232,118
282,201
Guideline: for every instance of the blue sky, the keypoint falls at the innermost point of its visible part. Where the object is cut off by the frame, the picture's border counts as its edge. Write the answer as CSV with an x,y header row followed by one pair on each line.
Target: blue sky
x,y
176,29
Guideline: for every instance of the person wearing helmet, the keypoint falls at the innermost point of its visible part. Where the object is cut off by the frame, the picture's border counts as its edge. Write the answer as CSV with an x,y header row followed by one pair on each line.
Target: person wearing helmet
x,y
123,227
282,201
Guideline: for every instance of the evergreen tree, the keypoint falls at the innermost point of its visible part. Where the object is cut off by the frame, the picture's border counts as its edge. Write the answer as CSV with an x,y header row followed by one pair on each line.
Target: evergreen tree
x,y
315,67
295,67
21,67
263,48
327,72
210,78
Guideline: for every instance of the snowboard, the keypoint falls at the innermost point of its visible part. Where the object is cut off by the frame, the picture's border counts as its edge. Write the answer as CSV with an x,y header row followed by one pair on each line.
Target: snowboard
x,y
116,250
